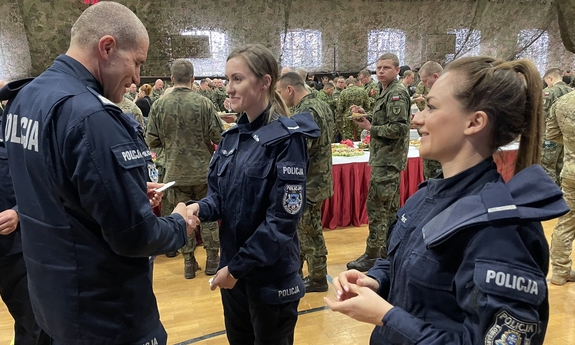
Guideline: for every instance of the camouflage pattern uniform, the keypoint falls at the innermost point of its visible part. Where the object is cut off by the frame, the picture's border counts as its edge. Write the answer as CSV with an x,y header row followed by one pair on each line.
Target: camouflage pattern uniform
x,y
353,95
421,90
156,94
130,96
130,107
552,153
319,187
372,89
561,129
336,93
209,95
220,96
431,168
388,157
185,124
322,95
310,89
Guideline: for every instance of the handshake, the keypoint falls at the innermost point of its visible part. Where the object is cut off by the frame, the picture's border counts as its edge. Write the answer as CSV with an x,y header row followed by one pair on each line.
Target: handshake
x,y
190,213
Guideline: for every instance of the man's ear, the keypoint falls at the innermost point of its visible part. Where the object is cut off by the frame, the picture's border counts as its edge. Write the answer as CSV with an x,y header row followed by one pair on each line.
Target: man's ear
x,y
106,46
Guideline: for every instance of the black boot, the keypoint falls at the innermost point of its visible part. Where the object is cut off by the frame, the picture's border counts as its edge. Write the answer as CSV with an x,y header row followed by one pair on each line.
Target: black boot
x,y
315,285
212,263
190,268
172,254
362,264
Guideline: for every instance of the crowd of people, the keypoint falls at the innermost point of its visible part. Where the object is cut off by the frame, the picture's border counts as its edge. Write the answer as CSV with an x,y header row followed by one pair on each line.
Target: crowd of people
x,y
464,261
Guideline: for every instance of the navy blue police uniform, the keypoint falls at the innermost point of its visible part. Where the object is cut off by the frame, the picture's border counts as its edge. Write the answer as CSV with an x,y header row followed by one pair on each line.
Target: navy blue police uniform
x,y
13,280
468,260
256,182
79,171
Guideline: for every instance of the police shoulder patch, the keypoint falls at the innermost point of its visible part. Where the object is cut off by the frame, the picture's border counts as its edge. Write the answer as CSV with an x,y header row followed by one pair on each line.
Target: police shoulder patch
x,y
152,172
509,330
293,198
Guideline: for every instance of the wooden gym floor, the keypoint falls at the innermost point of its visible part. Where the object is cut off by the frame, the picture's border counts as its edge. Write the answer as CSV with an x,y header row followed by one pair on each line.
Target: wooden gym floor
x,y
192,314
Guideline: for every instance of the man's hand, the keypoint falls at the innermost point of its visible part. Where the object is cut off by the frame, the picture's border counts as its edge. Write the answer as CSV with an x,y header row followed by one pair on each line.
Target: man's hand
x,y
357,109
194,209
154,197
223,279
8,222
362,122
419,99
192,221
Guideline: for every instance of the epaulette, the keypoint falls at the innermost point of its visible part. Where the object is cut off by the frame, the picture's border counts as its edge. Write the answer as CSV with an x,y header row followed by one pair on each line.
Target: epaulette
x,y
106,103
11,89
497,203
285,127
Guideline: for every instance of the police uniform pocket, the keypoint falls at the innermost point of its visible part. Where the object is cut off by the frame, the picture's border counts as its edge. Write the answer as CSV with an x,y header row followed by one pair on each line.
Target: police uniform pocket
x,y
259,171
128,155
430,273
284,291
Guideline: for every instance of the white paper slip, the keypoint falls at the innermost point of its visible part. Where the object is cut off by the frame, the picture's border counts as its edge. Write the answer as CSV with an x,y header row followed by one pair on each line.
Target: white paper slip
x,y
164,187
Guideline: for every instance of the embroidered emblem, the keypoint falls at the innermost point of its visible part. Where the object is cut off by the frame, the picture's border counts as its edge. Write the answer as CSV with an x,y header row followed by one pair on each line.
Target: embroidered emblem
x,y
256,137
508,330
293,198
152,172
546,93
395,98
396,110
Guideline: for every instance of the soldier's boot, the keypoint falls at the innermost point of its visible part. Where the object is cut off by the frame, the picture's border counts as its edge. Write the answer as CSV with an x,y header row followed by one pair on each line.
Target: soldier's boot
x,y
365,261
172,254
558,280
312,285
190,268
212,263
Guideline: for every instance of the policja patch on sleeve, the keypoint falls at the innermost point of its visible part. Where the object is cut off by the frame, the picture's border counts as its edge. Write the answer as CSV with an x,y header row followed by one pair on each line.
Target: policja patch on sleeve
x,y
293,198
509,330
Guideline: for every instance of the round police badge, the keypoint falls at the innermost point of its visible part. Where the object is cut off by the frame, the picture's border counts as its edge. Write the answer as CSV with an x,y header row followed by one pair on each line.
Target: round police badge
x,y
293,198
509,330
152,172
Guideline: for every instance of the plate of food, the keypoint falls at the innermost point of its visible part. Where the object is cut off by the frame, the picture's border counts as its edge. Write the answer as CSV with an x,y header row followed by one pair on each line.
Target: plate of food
x,y
415,142
357,116
223,114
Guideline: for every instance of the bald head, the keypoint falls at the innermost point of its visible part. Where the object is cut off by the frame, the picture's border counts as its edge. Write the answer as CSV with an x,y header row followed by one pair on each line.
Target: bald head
x,y
285,70
108,18
302,72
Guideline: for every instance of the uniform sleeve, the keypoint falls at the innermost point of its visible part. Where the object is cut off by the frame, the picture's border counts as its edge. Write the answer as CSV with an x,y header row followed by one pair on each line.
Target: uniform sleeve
x,y
210,206
553,132
340,111
214,125
548,100
152,129
286,203
499,288
381,272
397,125
420,90
108,171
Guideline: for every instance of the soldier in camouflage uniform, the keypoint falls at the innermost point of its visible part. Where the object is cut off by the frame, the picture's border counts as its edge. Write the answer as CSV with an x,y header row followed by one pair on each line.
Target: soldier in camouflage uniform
x,y
185,124
429,73
370,86
388,157
326,95
206,91
551,152
319,185
339,87
352,95
157,90
561,129
129,107
220,94
302,72
420,92
132,92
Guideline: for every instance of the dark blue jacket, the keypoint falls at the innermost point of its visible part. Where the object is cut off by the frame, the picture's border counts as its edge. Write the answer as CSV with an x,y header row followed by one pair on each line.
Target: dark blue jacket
x,y
468,260
256,182
11,243
79,169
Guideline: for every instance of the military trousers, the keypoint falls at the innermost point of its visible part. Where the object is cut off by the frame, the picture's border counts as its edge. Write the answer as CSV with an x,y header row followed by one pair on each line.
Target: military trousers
x,y
312,243
208,230
552,160
382,207
564,233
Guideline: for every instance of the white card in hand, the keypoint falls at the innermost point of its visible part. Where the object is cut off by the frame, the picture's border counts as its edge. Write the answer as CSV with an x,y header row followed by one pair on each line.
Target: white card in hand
x,y
164,187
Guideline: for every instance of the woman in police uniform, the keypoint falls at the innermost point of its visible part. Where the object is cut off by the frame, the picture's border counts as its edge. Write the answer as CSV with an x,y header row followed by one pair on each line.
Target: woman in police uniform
x,y
467,254
257,189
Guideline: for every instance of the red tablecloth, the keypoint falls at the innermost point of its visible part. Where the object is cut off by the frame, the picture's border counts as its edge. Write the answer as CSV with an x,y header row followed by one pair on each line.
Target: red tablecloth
x,y
351,181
